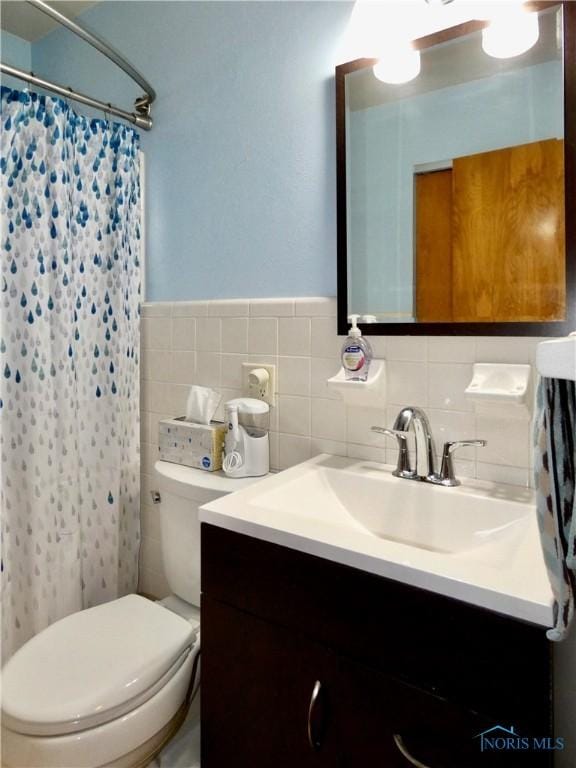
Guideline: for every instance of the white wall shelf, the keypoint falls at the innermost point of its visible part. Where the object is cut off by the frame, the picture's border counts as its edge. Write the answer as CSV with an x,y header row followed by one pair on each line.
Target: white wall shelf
x,y
501,389
371,392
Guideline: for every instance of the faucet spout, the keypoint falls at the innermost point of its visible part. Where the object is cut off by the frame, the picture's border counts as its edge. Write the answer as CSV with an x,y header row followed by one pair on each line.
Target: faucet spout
x,y
424,459
424,451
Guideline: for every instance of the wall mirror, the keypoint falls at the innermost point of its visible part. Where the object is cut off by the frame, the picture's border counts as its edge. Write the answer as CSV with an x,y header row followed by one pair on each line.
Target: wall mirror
x,y
453,187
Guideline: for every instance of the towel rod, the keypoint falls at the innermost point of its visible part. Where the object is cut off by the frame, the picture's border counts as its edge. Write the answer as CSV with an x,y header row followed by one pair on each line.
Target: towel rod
x,y
141,114
556,359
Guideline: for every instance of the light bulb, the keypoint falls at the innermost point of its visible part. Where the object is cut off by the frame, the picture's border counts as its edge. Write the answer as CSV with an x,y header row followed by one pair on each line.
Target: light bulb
x,y
510,33
399,64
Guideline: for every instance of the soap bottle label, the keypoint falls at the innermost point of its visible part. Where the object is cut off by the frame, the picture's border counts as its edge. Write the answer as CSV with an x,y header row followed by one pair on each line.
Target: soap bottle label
x,y
353,358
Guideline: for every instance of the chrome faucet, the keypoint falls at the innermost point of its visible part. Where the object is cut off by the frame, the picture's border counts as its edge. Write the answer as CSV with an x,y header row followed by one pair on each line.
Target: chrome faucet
x,y
424,451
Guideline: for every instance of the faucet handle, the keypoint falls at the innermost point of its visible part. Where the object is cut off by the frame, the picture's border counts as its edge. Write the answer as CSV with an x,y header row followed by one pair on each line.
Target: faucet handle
x,y
452,445
446,475
403,468
398,433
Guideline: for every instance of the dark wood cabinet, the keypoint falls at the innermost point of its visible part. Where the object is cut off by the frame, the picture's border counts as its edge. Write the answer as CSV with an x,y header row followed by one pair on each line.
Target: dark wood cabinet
x,y
257,712
310,663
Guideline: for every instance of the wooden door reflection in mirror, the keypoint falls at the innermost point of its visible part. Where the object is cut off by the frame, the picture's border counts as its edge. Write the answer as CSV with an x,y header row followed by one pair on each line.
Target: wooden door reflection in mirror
x,y
492,221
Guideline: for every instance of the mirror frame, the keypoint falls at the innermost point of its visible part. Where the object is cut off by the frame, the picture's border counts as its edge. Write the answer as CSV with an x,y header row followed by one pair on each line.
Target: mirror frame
x,y
559,328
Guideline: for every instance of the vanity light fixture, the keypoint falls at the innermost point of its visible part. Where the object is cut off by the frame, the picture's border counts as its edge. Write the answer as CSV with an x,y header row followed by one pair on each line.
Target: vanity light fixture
x,y
400,64
383,31
512,31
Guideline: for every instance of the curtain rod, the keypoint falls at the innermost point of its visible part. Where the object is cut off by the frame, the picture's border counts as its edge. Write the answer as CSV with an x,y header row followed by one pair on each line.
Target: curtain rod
x,y
141,121
141,115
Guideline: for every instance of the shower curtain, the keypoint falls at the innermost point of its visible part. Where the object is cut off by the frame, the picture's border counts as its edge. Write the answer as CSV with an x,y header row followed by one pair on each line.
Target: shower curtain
x,y
69,362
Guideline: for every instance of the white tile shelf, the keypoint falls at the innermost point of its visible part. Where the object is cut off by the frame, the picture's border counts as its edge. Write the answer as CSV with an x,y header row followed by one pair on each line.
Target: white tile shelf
x,y
501,388
371,392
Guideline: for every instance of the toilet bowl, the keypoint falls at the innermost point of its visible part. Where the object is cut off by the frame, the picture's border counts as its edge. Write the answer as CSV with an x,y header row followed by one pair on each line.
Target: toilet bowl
x,y
108,686
95,686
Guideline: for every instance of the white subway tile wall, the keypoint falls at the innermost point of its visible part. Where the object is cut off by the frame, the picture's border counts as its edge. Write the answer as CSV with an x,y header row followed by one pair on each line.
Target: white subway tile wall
x,y
206,342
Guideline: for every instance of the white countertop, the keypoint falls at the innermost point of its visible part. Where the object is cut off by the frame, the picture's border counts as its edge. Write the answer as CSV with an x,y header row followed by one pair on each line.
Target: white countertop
x,y
304,508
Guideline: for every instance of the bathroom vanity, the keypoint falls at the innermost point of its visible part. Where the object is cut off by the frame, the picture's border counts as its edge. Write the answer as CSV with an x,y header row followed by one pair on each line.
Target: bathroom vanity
x,y
310,659
392,662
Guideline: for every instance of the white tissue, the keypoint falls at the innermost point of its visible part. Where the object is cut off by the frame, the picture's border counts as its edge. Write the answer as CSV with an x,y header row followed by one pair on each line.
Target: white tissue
x,y
202,404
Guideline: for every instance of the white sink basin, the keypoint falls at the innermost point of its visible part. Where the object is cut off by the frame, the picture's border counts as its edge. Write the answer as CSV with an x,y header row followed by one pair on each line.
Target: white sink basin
x,y
478,542
447,520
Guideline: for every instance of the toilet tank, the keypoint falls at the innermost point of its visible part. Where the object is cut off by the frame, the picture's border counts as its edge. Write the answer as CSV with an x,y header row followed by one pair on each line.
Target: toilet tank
x,y
182,491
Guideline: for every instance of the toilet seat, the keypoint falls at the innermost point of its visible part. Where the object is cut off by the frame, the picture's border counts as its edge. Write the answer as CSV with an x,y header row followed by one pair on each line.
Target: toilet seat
x,y
131,740
94,666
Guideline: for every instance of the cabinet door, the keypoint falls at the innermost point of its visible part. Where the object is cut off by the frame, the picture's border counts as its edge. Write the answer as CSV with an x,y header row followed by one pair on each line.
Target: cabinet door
x,y
383,722
267,694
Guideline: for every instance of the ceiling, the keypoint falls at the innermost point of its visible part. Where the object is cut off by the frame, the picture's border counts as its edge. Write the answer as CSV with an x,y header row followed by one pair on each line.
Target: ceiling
x,y
29,23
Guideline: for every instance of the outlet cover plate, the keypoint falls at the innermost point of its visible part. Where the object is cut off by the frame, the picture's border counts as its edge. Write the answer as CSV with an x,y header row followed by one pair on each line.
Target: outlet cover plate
x,y
266,394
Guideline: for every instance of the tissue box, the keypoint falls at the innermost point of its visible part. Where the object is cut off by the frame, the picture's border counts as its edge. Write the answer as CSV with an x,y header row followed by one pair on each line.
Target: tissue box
x,y
194,445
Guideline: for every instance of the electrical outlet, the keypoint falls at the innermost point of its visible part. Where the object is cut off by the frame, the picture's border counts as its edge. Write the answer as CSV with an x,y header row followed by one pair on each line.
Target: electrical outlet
x,y
259,381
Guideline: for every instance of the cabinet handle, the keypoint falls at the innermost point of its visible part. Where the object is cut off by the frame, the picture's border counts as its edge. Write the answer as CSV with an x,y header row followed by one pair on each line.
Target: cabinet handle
x,y
398,740
314,742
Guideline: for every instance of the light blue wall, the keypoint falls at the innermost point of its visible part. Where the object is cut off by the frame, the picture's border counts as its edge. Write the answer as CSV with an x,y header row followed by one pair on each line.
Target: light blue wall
x,y
241,161
17,53
388,141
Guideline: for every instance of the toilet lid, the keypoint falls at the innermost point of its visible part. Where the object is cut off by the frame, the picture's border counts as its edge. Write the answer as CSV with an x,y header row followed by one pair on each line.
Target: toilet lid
x,y
77,671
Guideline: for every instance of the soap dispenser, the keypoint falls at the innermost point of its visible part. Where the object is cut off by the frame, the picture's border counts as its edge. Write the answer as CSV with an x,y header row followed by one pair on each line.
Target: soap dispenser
x,y
356,353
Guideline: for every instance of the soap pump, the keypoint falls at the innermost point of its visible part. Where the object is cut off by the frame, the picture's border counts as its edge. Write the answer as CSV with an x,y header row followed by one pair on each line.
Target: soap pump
x,y
356,353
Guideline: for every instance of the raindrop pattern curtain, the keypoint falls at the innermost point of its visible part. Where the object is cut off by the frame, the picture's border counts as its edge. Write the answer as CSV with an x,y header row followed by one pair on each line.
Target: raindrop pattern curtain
x,y
69,362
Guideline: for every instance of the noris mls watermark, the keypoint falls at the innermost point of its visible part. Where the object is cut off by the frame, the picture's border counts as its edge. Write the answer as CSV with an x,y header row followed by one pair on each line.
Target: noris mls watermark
x,y
501,739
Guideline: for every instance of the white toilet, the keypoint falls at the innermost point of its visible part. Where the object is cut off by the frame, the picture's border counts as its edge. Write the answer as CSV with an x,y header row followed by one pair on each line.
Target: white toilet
x,y
110,685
